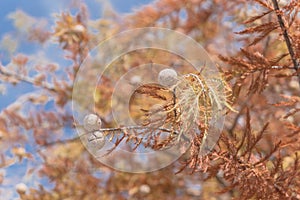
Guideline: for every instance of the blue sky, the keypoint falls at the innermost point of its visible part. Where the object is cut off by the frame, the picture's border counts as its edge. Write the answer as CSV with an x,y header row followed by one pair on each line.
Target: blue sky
x,y
42,9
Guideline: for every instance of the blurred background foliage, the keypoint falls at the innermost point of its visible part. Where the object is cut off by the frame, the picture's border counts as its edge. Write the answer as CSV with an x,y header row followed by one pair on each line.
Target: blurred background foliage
x,y
256,156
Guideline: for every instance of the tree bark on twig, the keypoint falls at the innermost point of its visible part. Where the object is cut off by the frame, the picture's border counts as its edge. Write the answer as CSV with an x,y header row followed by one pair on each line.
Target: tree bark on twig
x,y
287,39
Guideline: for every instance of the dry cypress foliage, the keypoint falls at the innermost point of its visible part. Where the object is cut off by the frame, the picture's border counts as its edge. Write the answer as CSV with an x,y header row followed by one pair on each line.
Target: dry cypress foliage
x,y
256,46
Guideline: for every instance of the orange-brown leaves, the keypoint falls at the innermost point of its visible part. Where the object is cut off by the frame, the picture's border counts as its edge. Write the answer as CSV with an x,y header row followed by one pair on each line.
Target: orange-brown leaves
x,y
73,35
71,32
263,30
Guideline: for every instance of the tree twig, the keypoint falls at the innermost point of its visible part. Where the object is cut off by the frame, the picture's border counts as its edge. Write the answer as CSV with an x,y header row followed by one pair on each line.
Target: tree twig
x,y
25,79
287,38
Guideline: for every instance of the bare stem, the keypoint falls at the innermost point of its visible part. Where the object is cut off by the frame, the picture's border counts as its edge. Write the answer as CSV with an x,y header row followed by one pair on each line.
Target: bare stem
x,y
25,79
286,38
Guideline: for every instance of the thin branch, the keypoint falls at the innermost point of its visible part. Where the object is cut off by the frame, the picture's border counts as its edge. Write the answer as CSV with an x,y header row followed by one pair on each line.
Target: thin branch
x,y
25,79
286,38
121,129
61,142
235,121
134,128
268,39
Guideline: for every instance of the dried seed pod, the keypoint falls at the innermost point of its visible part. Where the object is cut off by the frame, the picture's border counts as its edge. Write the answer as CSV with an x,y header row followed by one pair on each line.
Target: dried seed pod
x,y
96,141
78,28
91,122
145,189
135,80
21,188
167,77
